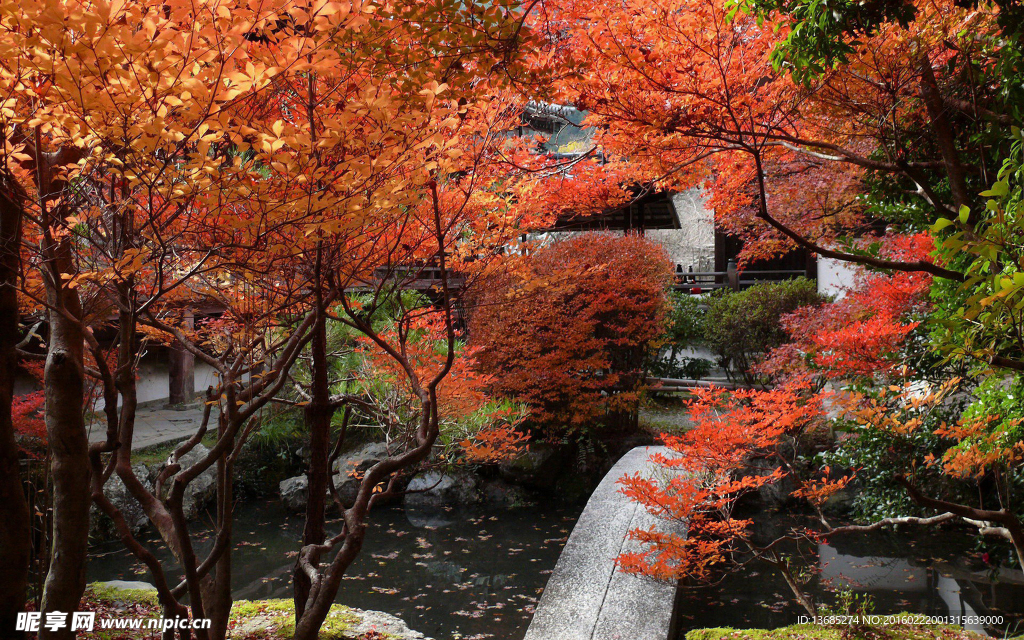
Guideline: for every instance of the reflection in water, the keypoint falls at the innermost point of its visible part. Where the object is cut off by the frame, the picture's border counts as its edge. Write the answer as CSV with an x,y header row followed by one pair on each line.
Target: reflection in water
x,y
934,573
479,574
475,573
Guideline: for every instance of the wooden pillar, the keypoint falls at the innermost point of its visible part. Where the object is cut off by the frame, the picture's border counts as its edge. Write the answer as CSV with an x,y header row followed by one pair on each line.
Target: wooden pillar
x,y
181,369
721,250
811,266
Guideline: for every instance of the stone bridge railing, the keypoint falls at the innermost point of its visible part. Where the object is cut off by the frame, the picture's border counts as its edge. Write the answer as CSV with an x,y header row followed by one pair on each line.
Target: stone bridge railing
x,y
586,598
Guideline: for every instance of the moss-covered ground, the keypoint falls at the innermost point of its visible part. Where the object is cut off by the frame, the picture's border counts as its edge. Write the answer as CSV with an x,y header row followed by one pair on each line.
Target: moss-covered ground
x,y
250,619
848,632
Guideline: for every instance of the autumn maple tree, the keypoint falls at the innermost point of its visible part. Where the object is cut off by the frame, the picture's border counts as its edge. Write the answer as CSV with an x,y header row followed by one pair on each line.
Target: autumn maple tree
x,y
568,328
924,446
862,334
684,94
740,442
118,175
294,167
979,448
187,155
819,127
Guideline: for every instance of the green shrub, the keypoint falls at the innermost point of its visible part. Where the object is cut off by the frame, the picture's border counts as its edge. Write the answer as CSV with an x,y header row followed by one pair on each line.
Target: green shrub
x,y
695,368
742,326
670,366
686,321
685,329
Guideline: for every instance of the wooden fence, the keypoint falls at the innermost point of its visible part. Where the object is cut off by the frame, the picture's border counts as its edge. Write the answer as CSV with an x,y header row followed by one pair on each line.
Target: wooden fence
x,y
695,282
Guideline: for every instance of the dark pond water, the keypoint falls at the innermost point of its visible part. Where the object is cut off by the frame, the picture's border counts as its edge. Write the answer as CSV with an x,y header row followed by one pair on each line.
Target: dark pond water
x,y
479,573
468,573
935,573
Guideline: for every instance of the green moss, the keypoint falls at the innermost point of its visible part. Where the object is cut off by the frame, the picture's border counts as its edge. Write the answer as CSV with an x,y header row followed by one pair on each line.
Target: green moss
x,y
339,619
153,455
158,453
276,618
820,632
248,608
250,619
100,592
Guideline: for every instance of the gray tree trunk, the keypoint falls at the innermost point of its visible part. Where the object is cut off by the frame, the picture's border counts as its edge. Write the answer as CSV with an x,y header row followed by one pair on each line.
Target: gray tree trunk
x,y
64,383
69,467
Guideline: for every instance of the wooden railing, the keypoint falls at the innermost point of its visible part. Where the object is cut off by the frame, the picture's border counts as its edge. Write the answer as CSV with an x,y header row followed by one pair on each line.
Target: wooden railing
x,y
419,278
682,384
429,276
732,278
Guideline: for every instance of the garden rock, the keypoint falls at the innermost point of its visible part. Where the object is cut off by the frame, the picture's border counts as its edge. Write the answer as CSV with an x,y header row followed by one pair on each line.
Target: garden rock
x,y
383,623
432,488
123,595
102,527
842,502
202,490
123,585
272,618
295,492
347,487
361,460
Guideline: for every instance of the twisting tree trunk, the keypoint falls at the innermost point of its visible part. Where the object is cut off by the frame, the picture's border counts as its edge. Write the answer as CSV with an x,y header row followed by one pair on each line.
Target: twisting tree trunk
x,y
218,590
942,128
207,581
325,578
15,533
318,414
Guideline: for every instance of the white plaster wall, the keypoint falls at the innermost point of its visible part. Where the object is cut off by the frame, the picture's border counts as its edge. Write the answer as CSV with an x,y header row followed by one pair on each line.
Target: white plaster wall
x,y
836,277
153,381
694,243
206,376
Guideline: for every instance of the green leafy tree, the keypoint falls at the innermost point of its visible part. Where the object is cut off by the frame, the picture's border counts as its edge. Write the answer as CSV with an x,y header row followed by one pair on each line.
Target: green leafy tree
x,y
743,326
982,319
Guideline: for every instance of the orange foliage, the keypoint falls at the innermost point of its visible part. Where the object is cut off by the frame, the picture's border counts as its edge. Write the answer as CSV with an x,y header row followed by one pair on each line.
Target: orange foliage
x,y
980,444
982,447
483,430
896,409
862,333
818,491
566,328
683,94
494,444
713,465
860,347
